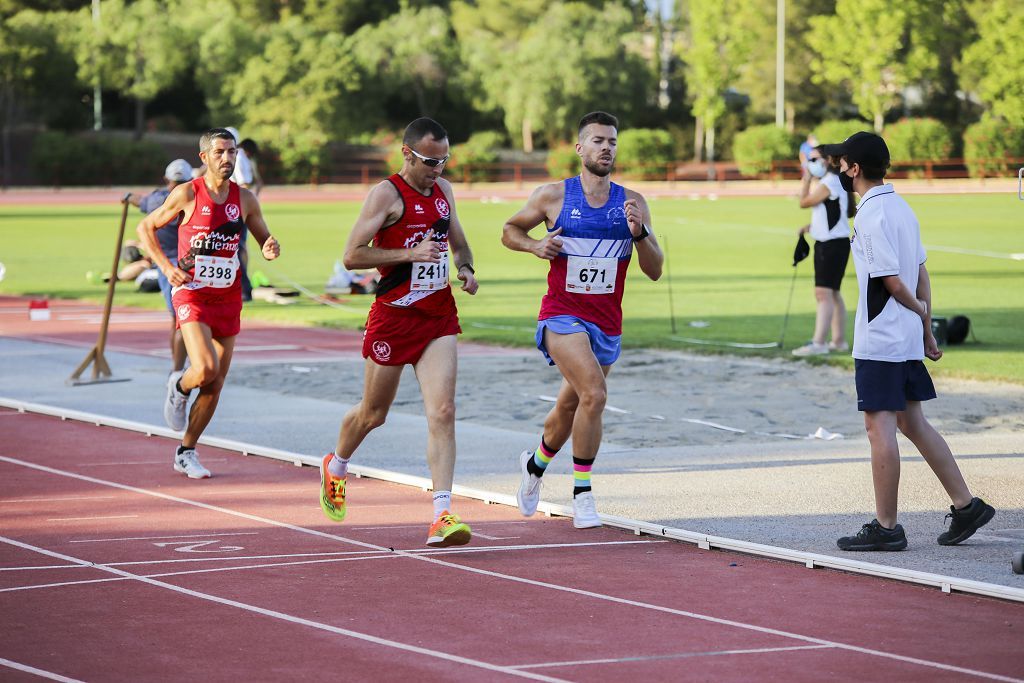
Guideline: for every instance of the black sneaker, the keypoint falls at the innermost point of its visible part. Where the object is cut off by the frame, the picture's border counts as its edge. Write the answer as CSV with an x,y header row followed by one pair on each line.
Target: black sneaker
x,y
965,522
874,536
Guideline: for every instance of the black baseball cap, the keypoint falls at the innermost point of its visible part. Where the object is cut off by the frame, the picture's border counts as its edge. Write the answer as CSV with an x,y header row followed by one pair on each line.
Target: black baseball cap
x,y
867,149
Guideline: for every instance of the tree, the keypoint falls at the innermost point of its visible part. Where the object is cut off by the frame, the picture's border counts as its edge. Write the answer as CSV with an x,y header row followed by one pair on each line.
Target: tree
x,y
544,73
992,65
715,48
411,52
884,48
298,93
35,75
129,51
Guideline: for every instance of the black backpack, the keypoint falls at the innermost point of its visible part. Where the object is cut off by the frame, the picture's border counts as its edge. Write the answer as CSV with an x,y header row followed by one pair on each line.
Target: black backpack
x,y
957,329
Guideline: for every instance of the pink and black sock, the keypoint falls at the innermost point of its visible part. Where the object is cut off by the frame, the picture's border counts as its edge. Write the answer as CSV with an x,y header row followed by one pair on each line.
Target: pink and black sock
x,y
542,457
580,475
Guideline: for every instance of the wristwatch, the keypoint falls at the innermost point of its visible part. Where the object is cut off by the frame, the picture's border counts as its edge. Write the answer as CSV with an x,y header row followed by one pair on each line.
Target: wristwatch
x,y
466,265
644,233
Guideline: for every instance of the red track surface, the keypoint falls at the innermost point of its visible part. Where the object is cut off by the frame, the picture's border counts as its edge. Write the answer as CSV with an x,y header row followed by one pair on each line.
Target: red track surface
x,y
113,567
142,331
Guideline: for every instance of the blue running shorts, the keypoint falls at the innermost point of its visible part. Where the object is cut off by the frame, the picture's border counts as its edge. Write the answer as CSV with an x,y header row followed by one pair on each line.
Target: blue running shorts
x,y
606,347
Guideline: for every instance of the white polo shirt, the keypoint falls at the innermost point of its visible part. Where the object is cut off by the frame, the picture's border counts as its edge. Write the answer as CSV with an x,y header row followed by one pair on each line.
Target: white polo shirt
x,y
886,241
821,230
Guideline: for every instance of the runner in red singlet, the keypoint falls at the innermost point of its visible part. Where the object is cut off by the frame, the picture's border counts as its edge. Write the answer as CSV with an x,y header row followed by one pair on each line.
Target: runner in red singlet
x,y
207,294
405,230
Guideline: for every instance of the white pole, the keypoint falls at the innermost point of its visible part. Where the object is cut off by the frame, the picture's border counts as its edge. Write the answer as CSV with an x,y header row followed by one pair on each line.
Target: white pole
x,y
780,63
97,93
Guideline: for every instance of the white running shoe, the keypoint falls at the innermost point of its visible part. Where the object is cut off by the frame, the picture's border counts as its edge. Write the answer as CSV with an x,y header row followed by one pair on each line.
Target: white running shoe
x,y
187,462
528,494
832,346
811,349
584,511
174,406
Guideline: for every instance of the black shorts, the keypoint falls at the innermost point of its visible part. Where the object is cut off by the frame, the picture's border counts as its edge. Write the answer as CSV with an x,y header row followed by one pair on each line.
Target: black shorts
x,y
882,385
830,258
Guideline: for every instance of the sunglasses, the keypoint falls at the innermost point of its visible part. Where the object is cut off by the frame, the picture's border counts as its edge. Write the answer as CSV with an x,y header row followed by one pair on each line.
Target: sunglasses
x,y
429,161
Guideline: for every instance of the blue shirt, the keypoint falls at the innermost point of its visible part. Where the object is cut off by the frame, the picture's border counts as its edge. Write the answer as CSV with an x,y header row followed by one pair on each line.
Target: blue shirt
x,y
167,236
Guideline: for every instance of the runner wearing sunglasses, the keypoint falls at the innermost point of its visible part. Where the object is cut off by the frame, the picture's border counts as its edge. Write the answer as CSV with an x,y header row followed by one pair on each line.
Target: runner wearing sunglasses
x,y
406,228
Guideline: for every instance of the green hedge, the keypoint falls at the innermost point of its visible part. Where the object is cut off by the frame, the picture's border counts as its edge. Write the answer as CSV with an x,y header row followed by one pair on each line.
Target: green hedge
x,y
988,141
833,131
755,148
60,159
645,152
563,161
480,148
921,139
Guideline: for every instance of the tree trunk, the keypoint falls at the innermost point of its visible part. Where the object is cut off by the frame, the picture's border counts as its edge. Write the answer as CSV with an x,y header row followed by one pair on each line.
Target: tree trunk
x,y
527,135
710,135
698,139
879,122
140,117
8,104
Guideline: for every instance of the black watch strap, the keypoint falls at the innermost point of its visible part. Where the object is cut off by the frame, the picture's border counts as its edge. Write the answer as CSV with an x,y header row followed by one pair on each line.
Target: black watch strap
x,y
466,265
644,233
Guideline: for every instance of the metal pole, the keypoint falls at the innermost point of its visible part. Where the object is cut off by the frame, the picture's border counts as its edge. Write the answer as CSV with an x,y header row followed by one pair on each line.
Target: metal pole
x,y
97,92
780,63
668,281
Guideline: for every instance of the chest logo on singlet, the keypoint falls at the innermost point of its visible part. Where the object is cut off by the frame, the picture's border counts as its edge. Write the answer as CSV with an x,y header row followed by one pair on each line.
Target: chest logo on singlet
x,y
442,207
575,214
417,208
381,350
206,211
232,212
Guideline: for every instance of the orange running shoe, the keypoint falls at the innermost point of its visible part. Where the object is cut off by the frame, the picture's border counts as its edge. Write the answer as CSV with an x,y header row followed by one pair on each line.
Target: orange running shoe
x,y
448,530
332,491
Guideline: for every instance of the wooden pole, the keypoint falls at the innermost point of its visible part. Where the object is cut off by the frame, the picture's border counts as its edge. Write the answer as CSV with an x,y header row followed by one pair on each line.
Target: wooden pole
x,y
100,369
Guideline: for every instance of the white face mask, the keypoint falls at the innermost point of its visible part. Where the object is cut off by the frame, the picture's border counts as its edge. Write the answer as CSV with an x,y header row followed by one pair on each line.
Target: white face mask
x,y
817,168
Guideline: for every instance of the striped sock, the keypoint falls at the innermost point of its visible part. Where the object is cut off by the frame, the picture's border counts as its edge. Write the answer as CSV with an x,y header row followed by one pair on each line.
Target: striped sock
x,y
580,475
542,457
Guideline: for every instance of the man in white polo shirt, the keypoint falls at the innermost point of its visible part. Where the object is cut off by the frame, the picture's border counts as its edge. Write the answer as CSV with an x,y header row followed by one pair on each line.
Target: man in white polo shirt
x,y
892,336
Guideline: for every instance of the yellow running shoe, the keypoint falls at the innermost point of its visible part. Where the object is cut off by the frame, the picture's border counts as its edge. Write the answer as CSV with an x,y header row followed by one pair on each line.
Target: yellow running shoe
x,y
448,530
332,491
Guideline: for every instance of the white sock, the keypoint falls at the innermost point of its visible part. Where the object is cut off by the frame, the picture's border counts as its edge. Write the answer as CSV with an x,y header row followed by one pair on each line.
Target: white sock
x,y
442,503
338,467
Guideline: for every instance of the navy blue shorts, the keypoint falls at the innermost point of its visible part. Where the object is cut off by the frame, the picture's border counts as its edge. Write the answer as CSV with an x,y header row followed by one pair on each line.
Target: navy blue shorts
x,y
606,347
882,385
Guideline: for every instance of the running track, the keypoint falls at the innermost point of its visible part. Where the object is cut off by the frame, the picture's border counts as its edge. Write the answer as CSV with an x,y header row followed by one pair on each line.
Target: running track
x,y
115,568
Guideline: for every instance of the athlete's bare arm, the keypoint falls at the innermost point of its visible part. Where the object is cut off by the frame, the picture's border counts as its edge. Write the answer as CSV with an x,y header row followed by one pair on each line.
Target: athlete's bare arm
x,y
462,255
648,251
383,206
181,199
543,206
253,216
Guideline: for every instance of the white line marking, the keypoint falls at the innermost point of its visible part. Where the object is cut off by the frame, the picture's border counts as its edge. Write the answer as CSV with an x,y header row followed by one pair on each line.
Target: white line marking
x,y
290,618
682,655
50,499
154,538
321,559
707,423
87,519
141,462
477,534
484,572
38,672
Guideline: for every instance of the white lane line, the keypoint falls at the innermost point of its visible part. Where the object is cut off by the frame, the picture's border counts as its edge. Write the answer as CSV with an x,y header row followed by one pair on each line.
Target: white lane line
x,y
51,500
682,655
89,519
140,462
291,618
519,579
157,538
321,558
38,672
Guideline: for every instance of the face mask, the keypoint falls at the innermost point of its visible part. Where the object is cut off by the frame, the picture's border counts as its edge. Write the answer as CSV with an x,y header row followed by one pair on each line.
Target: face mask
x,y
817,168
846,181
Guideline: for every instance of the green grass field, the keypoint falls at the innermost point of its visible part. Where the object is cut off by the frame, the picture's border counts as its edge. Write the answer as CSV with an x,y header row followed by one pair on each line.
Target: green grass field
x,y
729,262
